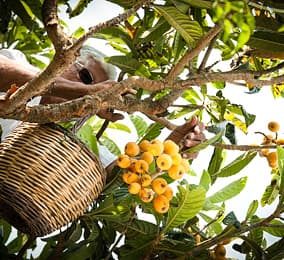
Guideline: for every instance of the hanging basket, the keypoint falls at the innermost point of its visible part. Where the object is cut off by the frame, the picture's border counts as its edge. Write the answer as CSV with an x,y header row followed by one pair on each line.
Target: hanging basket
x,y
47,178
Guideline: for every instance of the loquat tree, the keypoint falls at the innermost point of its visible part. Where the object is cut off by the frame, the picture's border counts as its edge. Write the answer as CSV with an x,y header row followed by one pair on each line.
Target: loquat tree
x,y
156,204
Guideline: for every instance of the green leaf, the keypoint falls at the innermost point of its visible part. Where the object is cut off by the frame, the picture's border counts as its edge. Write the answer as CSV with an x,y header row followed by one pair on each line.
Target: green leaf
x,y
199,3
231,220
267,41
255,248
205,180
126,64
190,30
110,144
119,126
228,192
79,8
237,165
86,134
139,124
252,209
215,162
270,194
275,231
215,227
137,228
190,203
78,33
205,144
280,154
153,131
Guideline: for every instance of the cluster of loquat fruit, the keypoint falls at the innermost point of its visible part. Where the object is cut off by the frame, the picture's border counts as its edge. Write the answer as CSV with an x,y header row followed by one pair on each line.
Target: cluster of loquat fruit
x,y
271,156
148,184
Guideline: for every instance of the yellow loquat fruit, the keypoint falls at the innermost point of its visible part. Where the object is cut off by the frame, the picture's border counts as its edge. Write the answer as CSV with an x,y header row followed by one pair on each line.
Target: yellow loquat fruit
x,y
141,166
123,161
212,255
176,158
159,185
164,162
227,241
148,157
176,172
131,177
146,195
132,149
161,204
156,147
185,164
168,193
220,251
144,144
273,126
272,157
280,141
264,152
145,180
170,147
197,239
134,188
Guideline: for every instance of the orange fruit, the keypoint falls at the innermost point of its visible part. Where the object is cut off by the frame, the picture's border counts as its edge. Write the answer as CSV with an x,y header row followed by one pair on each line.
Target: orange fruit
x,y
170,147
168,193
161,204
123,161
164,161
220,251
134,188
141,166
156,147
146,195
159,185
176,172
145,180
132,149
176,158
143,145
273,126
148,157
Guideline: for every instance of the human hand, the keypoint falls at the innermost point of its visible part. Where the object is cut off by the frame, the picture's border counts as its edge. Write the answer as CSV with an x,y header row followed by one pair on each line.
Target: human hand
x,y
188,135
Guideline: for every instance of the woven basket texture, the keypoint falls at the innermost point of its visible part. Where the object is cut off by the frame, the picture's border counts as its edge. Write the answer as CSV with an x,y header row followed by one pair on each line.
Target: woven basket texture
x,y
47,178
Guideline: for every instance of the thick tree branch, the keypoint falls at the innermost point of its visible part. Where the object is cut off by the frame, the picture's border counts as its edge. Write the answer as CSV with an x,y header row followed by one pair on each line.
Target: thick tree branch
x,y
111,98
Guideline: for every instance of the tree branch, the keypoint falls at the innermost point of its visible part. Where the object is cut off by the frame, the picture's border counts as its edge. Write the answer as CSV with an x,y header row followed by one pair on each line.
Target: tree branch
x,y
203,42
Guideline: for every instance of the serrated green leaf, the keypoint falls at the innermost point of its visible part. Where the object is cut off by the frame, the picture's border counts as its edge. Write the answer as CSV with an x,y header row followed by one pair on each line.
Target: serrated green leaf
x,y
153,131
205,144
215,227
237,165
215,162
275,231
267,41
86,134
190,203
119,126
270,194
126,64
190,30
199,3
110,145
280,156
252,209
228,192
205,180
139,124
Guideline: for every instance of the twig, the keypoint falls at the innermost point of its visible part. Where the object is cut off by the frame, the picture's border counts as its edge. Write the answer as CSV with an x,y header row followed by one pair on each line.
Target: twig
x,y
163,121
207,54
193,52
244,147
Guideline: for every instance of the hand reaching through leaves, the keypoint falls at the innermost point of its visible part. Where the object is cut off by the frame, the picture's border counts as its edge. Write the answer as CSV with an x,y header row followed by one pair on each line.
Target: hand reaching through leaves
x,y
188,135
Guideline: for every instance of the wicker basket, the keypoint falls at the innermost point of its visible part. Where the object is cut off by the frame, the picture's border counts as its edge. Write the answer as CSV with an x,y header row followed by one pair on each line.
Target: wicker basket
x,y
47,178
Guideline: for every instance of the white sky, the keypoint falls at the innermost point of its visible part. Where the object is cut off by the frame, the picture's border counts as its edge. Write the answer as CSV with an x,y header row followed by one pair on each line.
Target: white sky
x,y
261,104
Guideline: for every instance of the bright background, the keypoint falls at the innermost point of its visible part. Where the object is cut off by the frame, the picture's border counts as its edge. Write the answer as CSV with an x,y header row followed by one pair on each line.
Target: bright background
x,y
262,104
